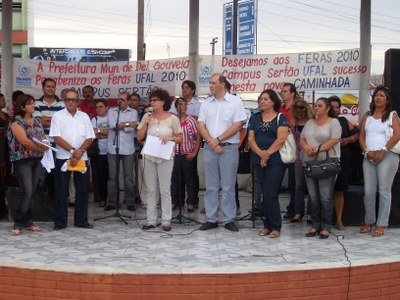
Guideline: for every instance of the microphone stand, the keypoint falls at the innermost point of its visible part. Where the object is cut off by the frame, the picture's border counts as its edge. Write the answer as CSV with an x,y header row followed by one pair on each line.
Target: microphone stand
x,y
180,216
117,214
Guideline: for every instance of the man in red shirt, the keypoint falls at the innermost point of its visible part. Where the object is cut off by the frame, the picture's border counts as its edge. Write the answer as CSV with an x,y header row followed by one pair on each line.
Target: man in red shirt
x,y
89,104
288,96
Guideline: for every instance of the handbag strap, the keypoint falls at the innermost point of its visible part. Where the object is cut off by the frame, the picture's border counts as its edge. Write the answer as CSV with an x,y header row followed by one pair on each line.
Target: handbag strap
x,y
319,150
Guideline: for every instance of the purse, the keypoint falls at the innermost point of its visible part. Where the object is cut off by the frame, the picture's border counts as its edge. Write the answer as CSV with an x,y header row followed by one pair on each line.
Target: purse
x,y
93,149
389,134
288,149
322,169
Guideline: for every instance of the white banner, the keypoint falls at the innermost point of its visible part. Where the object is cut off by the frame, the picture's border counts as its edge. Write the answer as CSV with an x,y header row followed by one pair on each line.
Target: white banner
x,y
248,74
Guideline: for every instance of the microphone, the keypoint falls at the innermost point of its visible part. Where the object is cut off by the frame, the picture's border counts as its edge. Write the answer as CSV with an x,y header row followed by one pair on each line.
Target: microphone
x,y
150,111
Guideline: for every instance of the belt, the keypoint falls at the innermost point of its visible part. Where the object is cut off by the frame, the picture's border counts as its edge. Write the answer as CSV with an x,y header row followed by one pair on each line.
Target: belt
x,y
225,144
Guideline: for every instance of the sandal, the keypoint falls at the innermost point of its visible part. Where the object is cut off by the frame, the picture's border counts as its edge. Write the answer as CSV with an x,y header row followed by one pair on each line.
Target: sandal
x,y
33,228
16,232
274,234
365,228
166,227
324,234
190,208
264,232
378,232
296,219
148,226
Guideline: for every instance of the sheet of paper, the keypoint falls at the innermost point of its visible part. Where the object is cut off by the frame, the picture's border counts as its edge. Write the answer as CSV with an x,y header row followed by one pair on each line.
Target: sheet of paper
x,y
43,144
155,147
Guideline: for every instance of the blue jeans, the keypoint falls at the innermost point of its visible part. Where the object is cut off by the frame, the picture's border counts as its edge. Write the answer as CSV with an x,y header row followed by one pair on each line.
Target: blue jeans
x,y
270,178
382,175
81,201
220,171
321,194
28,174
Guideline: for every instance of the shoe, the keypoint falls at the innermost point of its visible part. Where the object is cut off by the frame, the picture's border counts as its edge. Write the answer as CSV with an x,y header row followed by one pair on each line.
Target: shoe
x,y
264,232
87,226
174,206
15,232
203,210
57,227
102,203
231,226
166,227
138,200
365,228
208,225
274,234
296,219
324,234
313,232
339,226
309,220
190,208
288,215
131,207
196,206
238,212
379,231
109,207
148,226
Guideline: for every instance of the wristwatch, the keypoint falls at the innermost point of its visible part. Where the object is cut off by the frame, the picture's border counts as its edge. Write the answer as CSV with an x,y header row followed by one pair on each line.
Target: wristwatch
x,y
219,140
72,151
127,124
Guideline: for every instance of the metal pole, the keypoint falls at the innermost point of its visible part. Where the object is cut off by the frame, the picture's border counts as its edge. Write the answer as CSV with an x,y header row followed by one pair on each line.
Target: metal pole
x,y
365,57
214,41
194,40
6,51
140,31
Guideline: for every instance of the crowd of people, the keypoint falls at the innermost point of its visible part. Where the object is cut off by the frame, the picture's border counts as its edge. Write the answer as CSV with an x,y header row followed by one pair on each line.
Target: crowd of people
x,y
94,139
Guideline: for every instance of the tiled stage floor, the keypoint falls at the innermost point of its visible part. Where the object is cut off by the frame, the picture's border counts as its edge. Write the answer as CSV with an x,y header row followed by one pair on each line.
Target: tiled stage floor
x,y
113,247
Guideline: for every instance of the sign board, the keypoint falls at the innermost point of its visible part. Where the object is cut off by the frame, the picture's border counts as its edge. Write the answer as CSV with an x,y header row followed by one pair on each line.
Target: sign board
x,y
228,9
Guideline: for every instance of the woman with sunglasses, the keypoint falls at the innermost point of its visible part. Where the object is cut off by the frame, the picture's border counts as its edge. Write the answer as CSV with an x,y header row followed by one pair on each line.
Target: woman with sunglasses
x,y
161,124
322,132
266,136
349,136
302,112
25,155
380,164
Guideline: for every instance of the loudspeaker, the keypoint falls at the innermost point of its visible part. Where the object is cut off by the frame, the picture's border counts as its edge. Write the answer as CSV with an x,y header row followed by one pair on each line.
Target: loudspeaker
x,y
42,206
394,218
391,75
353,210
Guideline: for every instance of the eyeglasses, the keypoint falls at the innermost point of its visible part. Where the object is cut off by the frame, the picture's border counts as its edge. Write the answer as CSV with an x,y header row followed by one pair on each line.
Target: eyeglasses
x,y
71,100
154,99
121,99
299,107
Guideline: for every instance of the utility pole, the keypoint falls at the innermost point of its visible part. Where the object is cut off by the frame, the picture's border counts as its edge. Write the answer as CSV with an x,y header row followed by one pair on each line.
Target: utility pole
x,y
6,51
214,41
194,40
141,54
234,26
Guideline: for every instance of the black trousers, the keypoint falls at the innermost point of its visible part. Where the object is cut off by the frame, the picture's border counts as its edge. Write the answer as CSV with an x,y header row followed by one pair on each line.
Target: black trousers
x,y
184,176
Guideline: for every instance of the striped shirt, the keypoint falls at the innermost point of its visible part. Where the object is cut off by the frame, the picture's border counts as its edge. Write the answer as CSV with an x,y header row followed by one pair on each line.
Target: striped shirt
x,y
189,134
44,109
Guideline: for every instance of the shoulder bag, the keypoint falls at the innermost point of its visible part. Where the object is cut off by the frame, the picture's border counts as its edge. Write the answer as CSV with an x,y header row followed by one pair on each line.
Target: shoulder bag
x,y
389,134
321,169
288,149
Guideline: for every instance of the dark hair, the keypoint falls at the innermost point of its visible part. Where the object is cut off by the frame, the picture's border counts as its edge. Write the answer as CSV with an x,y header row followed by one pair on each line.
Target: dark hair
x,y
331,113
228,86
1,95
163,95
48,79
190,84
177,100
88,86
102,100
389,102
15,95
135,95
20,103
292,88
335,98
274,98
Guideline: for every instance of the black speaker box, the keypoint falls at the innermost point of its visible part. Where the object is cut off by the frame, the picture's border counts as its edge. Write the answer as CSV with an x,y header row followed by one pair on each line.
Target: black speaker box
x,y
42,207
394,218
391,75
353,210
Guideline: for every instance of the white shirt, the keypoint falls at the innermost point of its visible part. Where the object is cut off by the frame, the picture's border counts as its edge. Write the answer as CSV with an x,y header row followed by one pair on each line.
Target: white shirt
x,y
73,129
219,115
100,123
193,108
